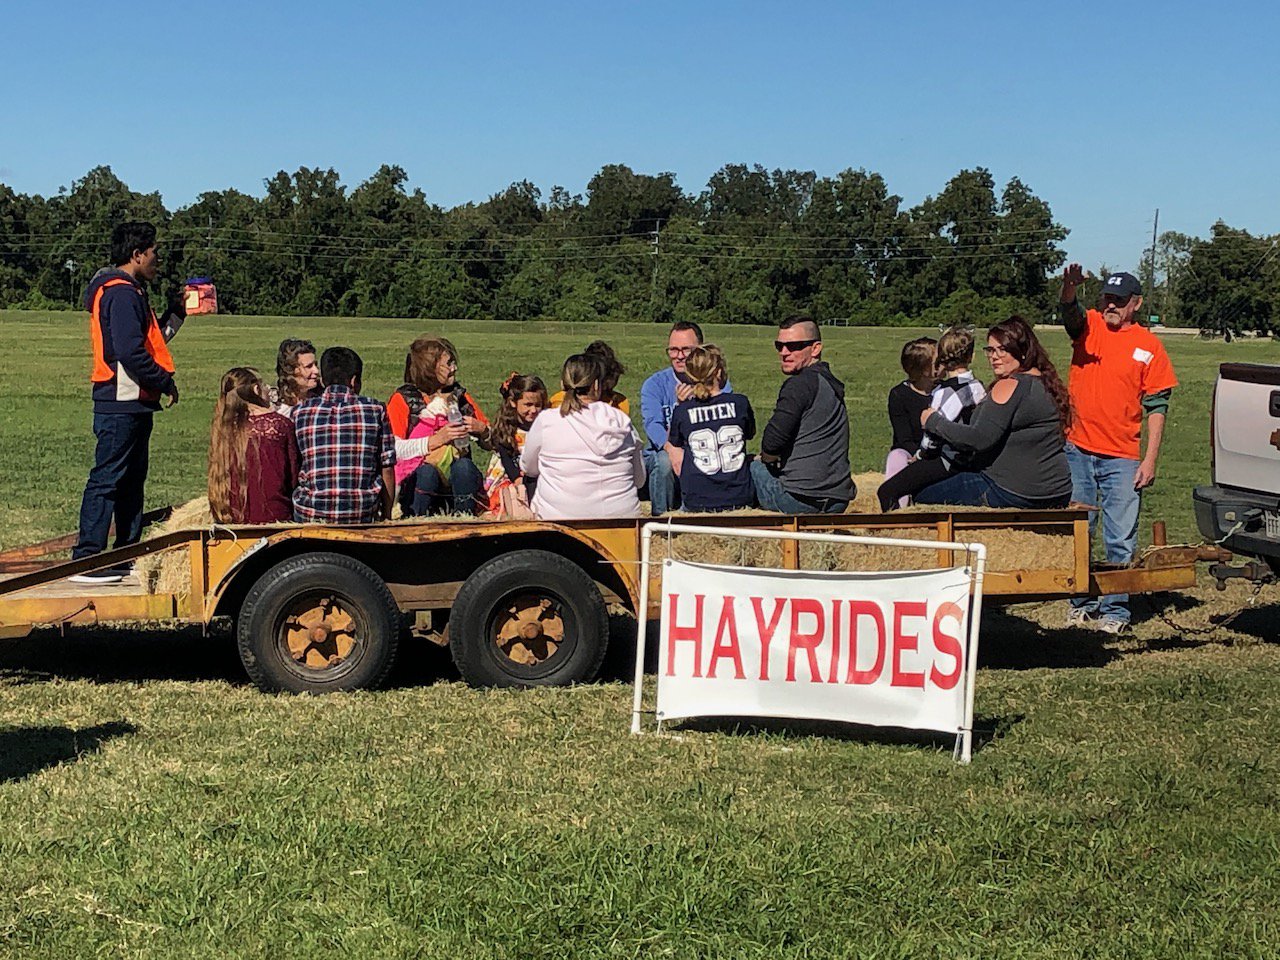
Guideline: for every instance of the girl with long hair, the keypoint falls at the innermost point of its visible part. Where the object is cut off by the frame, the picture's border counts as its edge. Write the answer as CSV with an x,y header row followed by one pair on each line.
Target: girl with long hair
x,y
524,396
613,371
1016,435
253,454
585,454
707,440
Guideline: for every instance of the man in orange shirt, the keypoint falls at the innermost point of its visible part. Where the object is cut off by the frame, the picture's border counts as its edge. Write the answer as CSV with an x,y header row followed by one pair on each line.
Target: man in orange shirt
x,y
1119,372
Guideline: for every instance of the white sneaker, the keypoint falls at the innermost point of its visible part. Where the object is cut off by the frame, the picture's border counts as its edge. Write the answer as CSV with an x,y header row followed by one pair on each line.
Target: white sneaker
x,y
1079,617
1112,625
109,575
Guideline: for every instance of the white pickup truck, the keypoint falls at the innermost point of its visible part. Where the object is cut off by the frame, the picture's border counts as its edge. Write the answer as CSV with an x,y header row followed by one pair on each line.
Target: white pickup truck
x,y
1241,509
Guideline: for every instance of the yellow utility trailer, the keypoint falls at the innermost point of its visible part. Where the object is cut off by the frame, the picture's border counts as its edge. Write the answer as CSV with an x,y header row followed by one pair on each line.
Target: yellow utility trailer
x,y
520,603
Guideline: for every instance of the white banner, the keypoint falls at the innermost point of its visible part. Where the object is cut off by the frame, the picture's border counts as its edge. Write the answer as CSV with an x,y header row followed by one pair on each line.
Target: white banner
x,y
889,649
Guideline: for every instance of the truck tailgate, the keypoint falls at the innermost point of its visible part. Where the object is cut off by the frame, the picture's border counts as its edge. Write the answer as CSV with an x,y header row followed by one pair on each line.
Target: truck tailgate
x,y
1246,427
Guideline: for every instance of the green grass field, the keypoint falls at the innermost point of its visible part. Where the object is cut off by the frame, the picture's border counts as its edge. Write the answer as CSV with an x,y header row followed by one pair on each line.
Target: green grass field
x,y
1124,801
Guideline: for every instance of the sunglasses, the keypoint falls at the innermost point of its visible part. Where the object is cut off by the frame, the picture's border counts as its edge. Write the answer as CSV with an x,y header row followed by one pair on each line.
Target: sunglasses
x,y
794,346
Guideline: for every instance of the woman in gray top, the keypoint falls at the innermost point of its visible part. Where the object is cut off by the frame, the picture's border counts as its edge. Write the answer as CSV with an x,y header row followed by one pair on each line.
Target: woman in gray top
x,y
1016,435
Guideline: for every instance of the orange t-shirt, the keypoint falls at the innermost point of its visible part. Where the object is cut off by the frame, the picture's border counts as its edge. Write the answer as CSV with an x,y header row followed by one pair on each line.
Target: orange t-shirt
x,y
615,400
1111,371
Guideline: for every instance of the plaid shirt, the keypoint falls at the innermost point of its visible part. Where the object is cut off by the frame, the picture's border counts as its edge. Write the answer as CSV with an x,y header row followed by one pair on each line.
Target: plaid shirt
x,y
955,399
345,441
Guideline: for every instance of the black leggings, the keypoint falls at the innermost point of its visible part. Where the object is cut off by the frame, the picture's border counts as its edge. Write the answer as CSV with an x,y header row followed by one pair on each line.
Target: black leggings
x,y
910,480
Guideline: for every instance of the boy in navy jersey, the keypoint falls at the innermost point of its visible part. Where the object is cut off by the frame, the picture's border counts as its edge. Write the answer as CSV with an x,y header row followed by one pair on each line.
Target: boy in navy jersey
x,y
707,440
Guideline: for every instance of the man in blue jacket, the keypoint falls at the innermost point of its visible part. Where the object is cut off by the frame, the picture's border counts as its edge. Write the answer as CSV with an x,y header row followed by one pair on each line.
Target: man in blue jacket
x,y
660,394
132,370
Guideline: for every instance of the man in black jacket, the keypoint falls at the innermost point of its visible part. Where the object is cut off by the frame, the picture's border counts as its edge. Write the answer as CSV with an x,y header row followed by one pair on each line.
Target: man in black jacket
x,y
132,370
803,465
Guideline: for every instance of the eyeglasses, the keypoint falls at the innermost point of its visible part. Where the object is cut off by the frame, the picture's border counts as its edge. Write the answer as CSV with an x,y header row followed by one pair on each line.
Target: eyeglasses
x,y
995,353
679,351
794,346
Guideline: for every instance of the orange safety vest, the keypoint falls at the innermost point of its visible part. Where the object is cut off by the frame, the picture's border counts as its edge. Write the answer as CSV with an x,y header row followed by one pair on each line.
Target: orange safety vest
x,y
156,347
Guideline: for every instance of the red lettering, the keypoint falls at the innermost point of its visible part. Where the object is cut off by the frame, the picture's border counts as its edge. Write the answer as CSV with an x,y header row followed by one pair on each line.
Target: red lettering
x,y
728,625
766,632
858,609
906,641
808,642
834,675
677,633
948,645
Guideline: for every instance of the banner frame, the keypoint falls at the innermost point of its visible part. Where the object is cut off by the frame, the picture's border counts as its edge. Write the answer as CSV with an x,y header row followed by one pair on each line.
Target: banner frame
x,y
977,553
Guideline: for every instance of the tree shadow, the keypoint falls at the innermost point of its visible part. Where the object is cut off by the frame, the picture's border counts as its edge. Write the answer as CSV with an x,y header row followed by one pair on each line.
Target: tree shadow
x,y
105,654
28,750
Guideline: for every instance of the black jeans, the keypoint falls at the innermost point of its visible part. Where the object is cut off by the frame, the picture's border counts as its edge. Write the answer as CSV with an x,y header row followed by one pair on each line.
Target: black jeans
x,y
115,482
910,480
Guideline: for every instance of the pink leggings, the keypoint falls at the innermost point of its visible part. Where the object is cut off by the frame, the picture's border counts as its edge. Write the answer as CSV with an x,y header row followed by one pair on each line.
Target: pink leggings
x,y
895,461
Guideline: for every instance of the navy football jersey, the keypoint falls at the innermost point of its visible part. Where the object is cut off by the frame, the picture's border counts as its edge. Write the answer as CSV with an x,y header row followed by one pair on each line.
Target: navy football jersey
x,y
713,434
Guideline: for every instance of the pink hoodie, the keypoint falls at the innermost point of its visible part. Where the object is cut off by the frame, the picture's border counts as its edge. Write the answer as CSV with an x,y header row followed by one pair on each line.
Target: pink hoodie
x,y
588,464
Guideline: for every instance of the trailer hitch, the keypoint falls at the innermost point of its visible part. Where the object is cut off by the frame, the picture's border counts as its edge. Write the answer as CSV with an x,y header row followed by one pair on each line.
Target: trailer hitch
x,y
1253,571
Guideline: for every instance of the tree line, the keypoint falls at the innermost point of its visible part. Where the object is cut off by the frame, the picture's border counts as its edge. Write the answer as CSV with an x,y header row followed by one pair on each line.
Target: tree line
x,y
752,246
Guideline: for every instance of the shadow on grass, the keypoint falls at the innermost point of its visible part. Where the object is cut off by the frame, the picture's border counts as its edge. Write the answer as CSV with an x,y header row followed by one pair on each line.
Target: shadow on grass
x,y
1013,642
122,654
28,750
986,730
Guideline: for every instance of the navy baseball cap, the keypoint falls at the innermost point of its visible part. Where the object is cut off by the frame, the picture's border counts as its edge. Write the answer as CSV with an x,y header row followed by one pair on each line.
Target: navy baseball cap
x,y
1123,285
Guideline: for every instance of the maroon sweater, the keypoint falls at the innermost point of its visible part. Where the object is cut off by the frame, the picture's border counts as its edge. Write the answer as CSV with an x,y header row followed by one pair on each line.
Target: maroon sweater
x,y
271,472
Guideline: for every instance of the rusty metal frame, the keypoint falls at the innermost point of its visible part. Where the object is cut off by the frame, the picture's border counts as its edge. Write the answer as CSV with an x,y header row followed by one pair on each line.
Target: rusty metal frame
x,y
615,542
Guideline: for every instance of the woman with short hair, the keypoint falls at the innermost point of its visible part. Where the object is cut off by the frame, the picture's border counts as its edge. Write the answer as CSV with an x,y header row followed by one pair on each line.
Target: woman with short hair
x,y
1015,436
585,454
434,420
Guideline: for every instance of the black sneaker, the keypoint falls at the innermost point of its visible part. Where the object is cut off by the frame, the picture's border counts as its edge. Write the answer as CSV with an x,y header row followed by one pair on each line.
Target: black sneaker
x,y
109,575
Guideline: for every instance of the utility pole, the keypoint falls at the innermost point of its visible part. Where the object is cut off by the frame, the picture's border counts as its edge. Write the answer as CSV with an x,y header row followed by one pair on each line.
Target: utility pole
x,y
653,282
1155,228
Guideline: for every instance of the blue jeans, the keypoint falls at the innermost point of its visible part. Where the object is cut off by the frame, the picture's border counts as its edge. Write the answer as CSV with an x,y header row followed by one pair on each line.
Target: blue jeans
x,y
975,489
115,484
423,491
1107,482
663,484
772,495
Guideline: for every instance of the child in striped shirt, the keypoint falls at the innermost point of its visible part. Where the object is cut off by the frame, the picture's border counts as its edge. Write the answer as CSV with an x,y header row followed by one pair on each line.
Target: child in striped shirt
x,y
957,392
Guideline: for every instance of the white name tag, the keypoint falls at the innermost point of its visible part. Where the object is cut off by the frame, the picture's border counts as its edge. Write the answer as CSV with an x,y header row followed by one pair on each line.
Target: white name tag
x,y
1142,356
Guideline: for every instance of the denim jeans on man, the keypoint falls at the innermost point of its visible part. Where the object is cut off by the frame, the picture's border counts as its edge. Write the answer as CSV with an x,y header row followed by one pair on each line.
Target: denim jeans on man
x,y
1107,482
115,486
662,483
772,495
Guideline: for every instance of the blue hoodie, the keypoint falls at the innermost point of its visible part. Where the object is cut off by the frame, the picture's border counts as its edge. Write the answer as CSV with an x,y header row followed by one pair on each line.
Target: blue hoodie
x,y
125,314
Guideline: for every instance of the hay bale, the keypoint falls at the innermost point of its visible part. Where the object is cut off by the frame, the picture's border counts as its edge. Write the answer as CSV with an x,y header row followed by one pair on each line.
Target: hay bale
x,y
865,501
169,571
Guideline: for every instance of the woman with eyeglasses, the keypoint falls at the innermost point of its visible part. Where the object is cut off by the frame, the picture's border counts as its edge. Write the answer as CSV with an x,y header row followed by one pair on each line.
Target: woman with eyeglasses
x,y
1015,437
434,420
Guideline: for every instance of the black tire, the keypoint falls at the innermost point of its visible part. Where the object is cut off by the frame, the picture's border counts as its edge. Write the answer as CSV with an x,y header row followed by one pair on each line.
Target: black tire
x,y
350,588
483,607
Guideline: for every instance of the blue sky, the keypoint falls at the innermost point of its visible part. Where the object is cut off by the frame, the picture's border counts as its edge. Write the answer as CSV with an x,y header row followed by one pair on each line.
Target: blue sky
x,y
1106,111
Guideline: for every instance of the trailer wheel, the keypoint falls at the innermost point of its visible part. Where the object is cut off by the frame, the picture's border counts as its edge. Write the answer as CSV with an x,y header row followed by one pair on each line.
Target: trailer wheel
x,y
528,619
318,623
